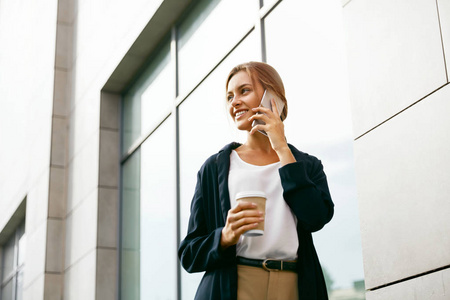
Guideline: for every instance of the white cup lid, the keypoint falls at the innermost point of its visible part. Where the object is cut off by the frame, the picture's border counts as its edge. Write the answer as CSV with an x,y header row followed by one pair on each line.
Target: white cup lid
x,y
250,194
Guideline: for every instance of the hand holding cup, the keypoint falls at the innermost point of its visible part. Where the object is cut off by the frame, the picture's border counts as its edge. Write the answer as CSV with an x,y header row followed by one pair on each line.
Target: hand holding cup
x,y
247,218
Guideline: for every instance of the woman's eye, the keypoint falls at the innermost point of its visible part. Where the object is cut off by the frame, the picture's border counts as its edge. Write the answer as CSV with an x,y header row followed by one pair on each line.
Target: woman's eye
x,y
245,91
229,98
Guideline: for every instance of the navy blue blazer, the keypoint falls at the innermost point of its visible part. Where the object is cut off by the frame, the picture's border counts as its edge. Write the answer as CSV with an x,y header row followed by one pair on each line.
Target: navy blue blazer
x,y
305,190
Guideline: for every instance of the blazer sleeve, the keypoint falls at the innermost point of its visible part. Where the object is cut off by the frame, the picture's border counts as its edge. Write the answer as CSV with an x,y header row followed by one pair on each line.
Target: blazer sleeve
x,y
200,250
305,189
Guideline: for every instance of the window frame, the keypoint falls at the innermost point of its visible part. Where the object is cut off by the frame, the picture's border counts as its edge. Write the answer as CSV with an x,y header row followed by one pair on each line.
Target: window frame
x,y
16,236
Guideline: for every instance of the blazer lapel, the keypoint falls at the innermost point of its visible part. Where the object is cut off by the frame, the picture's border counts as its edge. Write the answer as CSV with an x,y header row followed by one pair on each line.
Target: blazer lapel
x,y
223,167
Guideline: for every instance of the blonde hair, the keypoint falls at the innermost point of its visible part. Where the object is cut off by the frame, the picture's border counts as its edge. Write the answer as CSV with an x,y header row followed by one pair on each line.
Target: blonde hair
x,y
266,75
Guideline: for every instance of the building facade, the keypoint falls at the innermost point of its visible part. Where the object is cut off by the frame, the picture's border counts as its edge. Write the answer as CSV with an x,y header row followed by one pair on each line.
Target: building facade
x,y
399,53
109,108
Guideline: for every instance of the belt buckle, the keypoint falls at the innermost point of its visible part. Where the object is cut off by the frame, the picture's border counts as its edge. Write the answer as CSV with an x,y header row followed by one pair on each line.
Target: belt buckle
x,y
264,265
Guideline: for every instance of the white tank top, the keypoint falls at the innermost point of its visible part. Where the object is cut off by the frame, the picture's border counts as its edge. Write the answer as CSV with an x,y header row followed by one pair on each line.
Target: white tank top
x,y
280,235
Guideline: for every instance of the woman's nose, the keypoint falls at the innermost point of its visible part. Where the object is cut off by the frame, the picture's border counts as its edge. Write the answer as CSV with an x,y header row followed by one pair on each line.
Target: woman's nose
x,y
236,101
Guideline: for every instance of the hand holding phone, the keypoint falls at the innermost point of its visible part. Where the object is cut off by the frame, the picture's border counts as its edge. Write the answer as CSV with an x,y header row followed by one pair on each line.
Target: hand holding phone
x,y
267,103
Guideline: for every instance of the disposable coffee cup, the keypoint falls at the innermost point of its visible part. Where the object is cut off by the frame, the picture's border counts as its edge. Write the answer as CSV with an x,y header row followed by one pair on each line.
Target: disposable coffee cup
x,y
259,198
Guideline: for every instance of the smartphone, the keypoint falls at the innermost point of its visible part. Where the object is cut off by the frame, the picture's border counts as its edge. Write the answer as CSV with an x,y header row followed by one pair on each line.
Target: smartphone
x,y
265,102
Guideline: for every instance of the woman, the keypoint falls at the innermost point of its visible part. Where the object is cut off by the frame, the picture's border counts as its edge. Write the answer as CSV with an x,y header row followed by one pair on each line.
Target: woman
x,y
298,203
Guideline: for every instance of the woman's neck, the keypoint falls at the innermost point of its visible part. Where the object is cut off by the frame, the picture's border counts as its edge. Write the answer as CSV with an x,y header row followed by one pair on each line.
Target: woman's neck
x,y
258,141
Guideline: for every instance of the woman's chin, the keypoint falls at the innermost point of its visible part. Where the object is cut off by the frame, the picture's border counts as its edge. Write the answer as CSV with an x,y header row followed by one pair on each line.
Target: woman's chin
x,y
243,127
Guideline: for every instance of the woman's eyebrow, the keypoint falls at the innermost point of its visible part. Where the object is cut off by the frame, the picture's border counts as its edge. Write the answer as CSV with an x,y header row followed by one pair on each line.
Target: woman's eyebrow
x,y
240,87
243,85
246,83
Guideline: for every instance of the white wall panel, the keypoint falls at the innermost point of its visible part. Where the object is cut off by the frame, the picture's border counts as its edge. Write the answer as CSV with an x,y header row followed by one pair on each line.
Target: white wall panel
x,y
79,279
84,123
83,173
81,230
104,31
35,254
395,57
35,291
403,187
27,54
37,203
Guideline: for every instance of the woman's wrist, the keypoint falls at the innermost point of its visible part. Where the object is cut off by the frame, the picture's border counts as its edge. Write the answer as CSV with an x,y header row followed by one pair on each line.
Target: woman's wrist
x,y
285,155
223,244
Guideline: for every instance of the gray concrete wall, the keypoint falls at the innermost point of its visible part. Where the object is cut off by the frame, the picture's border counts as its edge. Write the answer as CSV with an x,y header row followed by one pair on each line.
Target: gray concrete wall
x,y
398,54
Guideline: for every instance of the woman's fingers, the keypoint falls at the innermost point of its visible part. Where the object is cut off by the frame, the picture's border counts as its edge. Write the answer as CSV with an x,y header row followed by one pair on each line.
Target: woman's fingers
x,y
263,117
274,107
244,213
241,230
242,205
266,110
262,110
241,218
245,218
270,118
256,128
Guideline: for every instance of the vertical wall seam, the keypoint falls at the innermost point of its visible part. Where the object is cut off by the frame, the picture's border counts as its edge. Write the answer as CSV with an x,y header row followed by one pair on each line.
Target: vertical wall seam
x,y
442,39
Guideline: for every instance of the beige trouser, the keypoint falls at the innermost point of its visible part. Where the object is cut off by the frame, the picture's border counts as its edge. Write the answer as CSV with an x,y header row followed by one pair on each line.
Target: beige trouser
x,y
258,284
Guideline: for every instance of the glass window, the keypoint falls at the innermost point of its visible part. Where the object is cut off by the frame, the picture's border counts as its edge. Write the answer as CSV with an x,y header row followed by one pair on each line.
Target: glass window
x,y
9,257
318,122
204,121
313,69
130,230
131,124
21,245
158,214
150,99
7,291
11,284
210,31
19,289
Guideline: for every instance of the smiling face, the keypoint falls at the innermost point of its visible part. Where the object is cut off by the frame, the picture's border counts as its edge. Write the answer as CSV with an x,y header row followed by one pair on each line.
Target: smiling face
x,y
243,94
